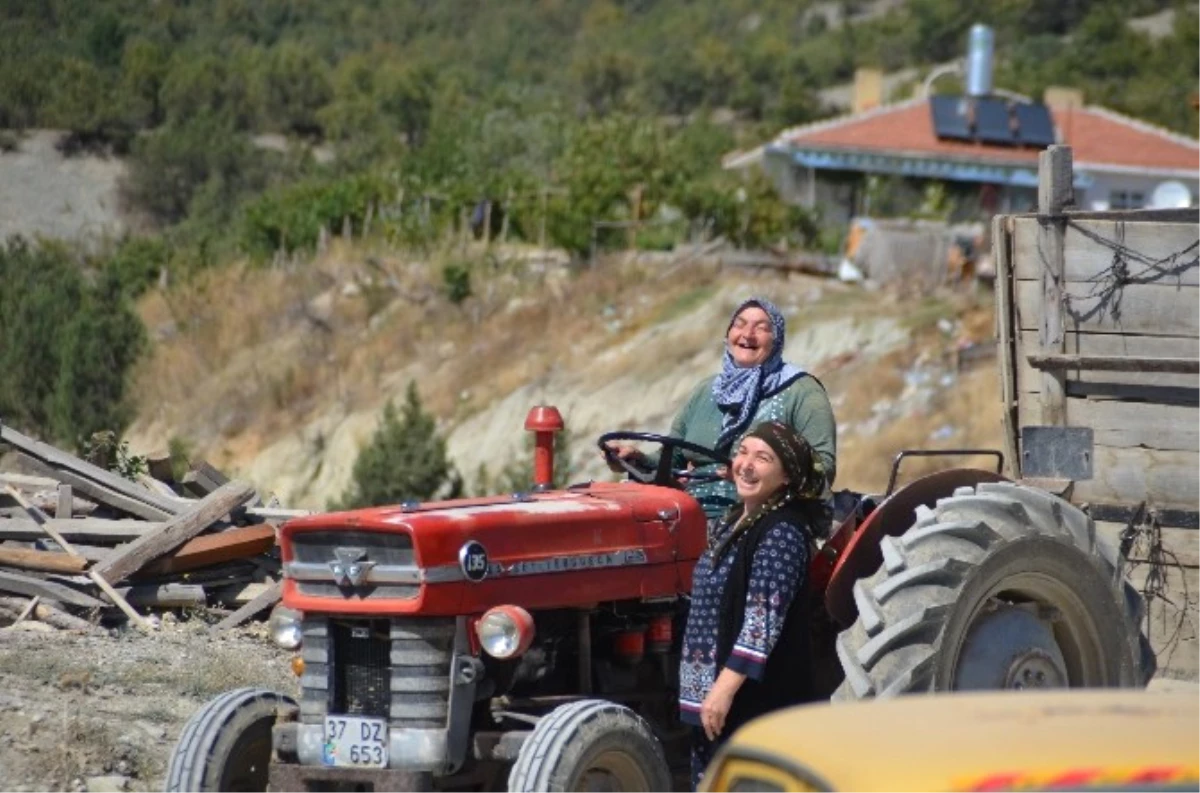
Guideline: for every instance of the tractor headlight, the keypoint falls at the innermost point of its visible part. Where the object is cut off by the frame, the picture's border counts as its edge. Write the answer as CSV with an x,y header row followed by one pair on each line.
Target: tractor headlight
x,y
284,626
505,631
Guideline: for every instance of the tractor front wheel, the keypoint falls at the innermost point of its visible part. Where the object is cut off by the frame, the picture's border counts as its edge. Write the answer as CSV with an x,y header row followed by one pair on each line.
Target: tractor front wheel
x,y
590,745
226,745
999,586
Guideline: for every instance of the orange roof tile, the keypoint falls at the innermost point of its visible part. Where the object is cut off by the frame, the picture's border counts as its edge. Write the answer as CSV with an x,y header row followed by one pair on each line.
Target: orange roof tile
x,y
1097,136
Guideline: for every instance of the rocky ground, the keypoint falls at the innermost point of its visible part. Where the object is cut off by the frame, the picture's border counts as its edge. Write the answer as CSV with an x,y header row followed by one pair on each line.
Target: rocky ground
x,y
102,712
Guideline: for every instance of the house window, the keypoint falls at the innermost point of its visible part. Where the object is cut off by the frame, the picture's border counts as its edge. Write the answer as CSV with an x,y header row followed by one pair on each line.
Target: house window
x,y
1126,199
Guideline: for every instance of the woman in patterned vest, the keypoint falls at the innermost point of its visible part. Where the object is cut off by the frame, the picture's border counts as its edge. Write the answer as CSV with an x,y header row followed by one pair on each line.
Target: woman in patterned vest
x,y
746,648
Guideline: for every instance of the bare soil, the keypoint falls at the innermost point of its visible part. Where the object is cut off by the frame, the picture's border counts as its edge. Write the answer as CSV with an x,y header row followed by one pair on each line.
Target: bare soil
x,y
103,711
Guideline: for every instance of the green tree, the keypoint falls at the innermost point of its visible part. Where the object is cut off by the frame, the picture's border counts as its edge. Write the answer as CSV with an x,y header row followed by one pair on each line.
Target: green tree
x,y
143,69
296,86
42,291
68,346
169,166
404,460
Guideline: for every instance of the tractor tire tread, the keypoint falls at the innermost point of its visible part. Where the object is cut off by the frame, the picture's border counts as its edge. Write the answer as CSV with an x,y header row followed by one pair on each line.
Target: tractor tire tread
x,y
905,604
535,769
193,750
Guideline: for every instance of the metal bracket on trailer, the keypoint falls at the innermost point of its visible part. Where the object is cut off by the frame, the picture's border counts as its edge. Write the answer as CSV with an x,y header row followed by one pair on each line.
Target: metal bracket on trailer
x,y
1057,452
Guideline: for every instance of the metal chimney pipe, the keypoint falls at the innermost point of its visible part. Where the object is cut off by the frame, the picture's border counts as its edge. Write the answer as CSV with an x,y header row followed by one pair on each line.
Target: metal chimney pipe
x,y
980,54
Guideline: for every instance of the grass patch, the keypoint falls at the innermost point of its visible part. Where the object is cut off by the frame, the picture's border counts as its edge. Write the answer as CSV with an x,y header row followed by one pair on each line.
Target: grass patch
x,y
48,669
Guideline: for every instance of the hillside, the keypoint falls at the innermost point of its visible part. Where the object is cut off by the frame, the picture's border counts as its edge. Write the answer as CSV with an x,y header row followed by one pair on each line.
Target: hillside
x,y
281,375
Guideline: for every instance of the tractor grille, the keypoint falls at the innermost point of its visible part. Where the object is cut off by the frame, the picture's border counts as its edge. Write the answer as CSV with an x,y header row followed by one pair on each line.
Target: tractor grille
x,y
388,548
361,650
383,549
397,669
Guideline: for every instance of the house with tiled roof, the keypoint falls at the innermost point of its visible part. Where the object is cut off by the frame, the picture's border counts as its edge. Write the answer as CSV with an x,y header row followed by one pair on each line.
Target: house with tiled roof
x,y
1120,162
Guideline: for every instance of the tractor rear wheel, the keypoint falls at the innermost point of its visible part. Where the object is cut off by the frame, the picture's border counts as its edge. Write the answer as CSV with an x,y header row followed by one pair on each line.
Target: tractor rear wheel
x,y
591,745
226,745
998,586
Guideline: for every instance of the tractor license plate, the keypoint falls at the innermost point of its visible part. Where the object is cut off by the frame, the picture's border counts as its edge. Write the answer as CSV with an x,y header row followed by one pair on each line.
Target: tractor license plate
x,y
355,742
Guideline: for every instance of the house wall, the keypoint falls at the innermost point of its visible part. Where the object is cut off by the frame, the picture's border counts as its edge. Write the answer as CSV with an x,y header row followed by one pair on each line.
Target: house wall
x,y
1109,190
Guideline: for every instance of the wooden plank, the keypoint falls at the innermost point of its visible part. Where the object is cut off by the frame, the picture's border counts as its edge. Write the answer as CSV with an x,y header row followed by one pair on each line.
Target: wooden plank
x,y
20,584
1006,341
1055,193
113,499
1109,344
43,521
25,612
50,615
264,601
238,594
1133,424
203,479
64,505
67,463
177,531
165,595
1158,252
212,549
49,561
93,553
276,513
40,518
1163,478
28,482
1114,363
1149,309
94,530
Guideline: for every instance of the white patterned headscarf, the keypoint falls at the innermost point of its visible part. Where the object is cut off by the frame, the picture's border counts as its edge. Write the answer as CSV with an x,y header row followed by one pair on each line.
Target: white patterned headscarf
x,y
738,390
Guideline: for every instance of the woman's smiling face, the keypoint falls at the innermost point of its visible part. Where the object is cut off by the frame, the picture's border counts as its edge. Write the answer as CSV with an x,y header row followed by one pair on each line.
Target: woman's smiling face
x,y
757,472
751,337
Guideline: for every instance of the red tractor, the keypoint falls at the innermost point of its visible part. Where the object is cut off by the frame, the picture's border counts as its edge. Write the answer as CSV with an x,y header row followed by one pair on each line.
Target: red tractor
x,y
531,641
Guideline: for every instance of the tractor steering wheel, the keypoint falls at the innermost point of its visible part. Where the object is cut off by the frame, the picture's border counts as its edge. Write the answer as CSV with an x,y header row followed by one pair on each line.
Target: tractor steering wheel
x,y
663,474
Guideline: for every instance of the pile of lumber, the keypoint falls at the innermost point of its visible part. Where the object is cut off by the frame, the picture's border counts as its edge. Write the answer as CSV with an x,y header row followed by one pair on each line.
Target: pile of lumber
x,y
80,544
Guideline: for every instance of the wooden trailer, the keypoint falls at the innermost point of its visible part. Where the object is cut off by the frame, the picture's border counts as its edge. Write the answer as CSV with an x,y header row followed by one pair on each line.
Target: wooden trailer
x,y
1098,322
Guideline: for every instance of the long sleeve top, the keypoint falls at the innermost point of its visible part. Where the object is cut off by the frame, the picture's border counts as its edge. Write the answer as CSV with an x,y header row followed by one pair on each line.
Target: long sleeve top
x,y
777,574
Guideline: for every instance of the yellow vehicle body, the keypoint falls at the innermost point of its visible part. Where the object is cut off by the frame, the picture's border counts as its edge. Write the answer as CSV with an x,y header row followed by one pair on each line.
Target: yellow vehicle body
x,y
1005,740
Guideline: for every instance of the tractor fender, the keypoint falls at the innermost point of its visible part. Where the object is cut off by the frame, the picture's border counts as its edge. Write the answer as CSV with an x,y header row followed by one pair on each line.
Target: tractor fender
x,y
861,555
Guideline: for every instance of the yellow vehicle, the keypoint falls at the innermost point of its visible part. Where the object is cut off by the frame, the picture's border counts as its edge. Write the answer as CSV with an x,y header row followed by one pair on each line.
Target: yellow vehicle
x,y
1032,740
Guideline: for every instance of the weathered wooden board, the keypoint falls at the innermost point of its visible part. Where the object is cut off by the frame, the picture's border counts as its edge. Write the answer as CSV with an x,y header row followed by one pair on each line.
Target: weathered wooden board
x,y
28,482
1163,478
164,595
50,561
211,549
18,583
93,530
175,532
112,498
1159,251
94,475
1150,309
262,602
1006,340
1133,424
1129,345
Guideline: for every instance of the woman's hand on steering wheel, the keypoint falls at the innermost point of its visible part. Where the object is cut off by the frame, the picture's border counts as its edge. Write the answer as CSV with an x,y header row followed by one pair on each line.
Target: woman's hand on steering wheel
x,y
626,458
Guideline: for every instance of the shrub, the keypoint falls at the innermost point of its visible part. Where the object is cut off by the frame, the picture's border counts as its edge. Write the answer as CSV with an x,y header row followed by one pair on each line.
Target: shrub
x,y
405,460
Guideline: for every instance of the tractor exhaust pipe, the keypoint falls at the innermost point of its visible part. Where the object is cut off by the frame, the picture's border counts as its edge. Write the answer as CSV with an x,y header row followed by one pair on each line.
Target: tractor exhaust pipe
x,y
543,421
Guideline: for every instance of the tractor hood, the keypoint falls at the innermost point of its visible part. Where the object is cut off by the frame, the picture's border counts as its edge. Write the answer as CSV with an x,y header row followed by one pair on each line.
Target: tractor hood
x,y
554,549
